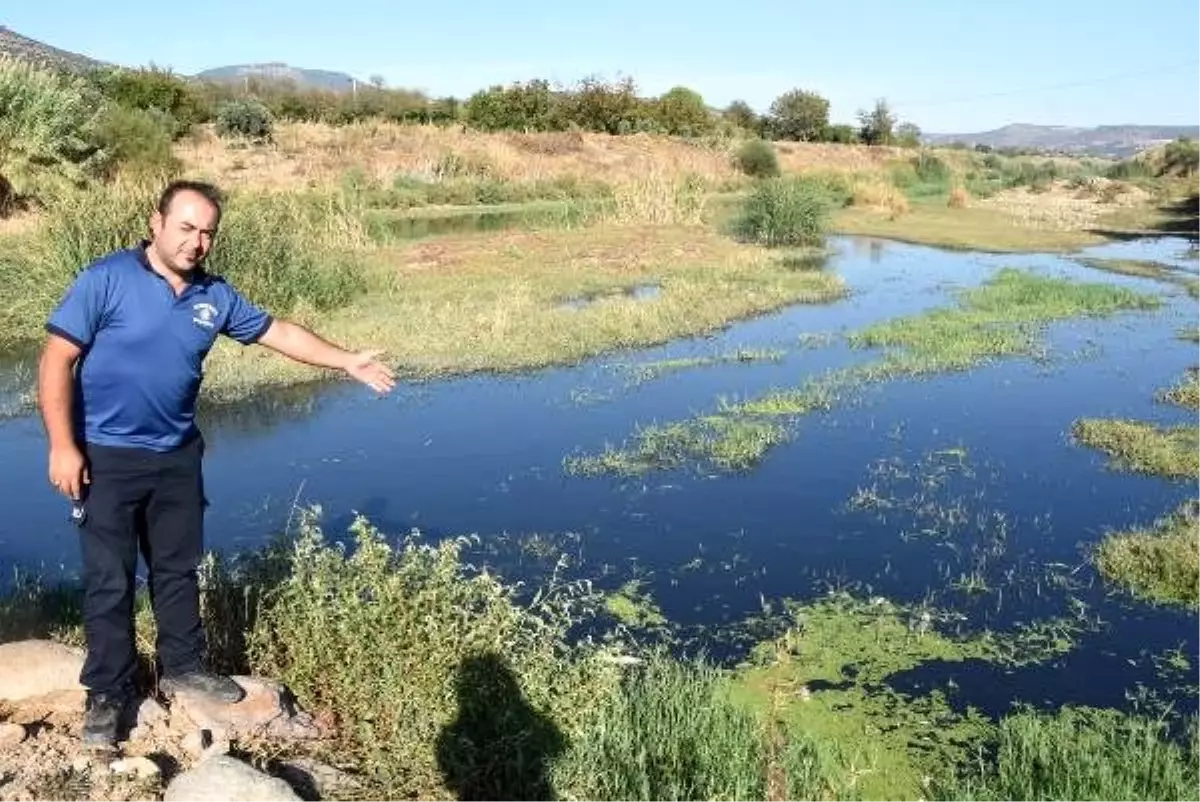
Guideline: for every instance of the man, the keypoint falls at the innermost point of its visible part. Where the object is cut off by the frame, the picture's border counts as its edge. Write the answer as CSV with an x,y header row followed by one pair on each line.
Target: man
x,y
117,386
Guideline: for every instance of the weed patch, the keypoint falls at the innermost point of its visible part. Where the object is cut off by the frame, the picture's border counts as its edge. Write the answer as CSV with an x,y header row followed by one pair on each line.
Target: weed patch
x,y
1161,563
1170,452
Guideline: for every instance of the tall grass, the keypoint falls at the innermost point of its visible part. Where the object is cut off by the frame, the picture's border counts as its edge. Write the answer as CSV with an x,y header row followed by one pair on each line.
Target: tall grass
x,y
675,733
1082,753
784,212
291,253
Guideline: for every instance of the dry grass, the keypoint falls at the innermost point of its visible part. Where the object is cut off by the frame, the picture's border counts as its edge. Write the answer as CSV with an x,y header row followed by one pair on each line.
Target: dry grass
x,y
876,193
959,198
1061,207
312,154
496,301
973,228
315,154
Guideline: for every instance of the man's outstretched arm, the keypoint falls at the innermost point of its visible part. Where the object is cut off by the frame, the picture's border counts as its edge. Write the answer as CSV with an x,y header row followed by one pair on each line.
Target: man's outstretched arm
x,y
302,345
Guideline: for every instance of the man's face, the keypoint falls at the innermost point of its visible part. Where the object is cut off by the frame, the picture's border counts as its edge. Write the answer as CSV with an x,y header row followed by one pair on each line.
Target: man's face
x,y
184,235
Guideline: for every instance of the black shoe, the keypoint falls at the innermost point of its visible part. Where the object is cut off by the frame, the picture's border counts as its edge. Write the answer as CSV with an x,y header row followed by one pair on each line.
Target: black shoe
x,y
202,683
102,718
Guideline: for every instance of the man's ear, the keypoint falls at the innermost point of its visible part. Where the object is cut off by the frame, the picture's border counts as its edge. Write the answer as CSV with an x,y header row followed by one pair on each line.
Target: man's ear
x,y
156,223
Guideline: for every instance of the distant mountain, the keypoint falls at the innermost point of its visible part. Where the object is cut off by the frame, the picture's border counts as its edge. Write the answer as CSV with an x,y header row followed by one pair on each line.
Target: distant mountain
x,y
22,47
275,71
1117,141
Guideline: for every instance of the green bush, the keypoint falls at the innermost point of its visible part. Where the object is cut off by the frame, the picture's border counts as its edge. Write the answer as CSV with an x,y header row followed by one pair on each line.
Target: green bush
x,y
153,89
757,158
47,131
784,212
930,168
1082,753
1181,158
434,676
244,118
137,143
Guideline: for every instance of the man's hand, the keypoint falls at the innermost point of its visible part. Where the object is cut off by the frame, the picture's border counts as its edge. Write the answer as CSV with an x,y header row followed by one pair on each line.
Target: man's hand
x,y
68,471
374,374
297,342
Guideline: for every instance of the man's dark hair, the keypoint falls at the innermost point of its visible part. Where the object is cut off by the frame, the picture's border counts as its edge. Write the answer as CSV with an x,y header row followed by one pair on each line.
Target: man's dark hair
x,y
210,193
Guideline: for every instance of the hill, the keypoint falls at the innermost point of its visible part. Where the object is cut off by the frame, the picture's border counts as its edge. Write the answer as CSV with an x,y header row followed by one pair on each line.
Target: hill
x,y
22,47
1117,141
276,71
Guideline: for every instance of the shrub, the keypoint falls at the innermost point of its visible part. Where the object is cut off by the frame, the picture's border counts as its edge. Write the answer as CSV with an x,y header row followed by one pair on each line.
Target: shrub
x,y
137,143
959,198
244,118
153,89
47,130
784,211
430,673
757,158
930,168
1181,158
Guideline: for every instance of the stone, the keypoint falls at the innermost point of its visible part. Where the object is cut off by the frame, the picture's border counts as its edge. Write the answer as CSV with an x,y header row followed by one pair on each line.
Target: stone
x,y
55,707
11,734
37,667
316,780
195,742
265,711
81,764
224,777
141,767
150,713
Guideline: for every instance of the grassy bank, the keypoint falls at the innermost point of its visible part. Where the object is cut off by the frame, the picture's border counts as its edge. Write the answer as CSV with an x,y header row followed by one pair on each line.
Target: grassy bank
x,y
439,681
1001,318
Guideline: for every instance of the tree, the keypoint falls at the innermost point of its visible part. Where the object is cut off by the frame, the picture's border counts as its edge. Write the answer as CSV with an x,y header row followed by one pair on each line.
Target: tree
x,y
798,115
376,81
877,126
682,111
740,114
908,135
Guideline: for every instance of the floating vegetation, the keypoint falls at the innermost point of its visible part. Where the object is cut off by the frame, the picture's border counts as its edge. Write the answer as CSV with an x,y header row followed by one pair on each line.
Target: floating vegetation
x,y
1161,563
999,318
1169,451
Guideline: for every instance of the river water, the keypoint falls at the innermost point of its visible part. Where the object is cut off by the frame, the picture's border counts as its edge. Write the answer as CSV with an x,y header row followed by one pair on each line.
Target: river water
x,y
982,504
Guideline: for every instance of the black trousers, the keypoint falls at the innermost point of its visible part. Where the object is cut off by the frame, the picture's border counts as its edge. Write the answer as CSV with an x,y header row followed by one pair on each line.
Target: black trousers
x,y
152,501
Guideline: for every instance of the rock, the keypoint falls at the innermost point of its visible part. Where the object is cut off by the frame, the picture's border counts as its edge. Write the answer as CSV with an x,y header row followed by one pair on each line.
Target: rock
x,y
224,777
195,742
56,707
266,710
81,764
150,713
37,667
316,780
11,735
141,767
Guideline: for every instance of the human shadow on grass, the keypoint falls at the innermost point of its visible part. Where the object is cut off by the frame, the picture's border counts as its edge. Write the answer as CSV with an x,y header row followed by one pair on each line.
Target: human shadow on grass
x,y
498,746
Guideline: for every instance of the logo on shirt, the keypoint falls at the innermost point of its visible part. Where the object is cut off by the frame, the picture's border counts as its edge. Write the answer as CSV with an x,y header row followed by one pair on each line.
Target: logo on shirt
x,y
204,313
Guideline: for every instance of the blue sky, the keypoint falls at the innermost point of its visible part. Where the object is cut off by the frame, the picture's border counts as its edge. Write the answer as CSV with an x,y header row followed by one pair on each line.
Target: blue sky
x,y
947,66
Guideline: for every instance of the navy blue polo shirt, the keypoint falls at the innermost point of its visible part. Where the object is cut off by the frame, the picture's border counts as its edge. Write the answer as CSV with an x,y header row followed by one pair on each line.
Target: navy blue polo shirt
x,y
143,347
